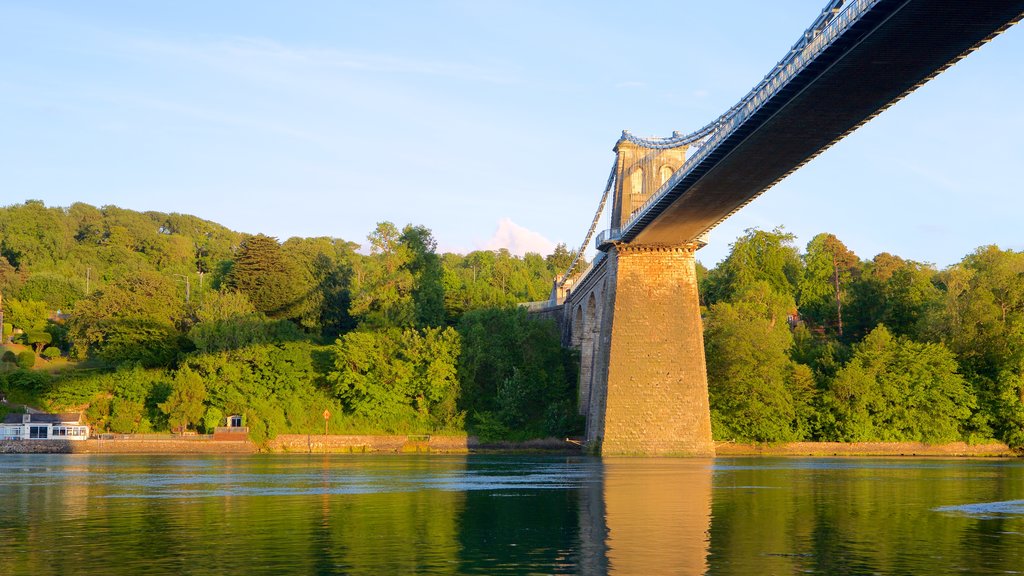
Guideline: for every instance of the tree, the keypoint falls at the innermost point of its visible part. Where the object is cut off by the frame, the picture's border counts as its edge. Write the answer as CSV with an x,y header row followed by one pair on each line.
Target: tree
x,y
517,381
390,376
269,279
26,359
898,293
184,407
425,267
757,393
382,288
559,260
757,256
894,389
29,315
828,267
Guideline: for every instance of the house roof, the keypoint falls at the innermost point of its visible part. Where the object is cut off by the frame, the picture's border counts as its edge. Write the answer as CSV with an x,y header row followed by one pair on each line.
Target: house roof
x,y
68,418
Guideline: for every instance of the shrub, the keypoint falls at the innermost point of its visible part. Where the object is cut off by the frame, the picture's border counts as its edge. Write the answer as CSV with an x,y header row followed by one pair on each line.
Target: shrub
x,y
8,330
26,359
9,356
51,352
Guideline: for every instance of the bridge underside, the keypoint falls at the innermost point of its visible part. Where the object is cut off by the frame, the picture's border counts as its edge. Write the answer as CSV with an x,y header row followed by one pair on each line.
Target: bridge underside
x,y
893,49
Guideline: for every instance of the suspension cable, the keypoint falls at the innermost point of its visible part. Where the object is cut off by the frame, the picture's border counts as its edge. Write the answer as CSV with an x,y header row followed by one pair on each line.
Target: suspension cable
x,y
593,225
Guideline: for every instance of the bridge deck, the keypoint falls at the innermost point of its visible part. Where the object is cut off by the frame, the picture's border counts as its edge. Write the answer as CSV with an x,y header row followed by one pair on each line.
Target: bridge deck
x,y
872,65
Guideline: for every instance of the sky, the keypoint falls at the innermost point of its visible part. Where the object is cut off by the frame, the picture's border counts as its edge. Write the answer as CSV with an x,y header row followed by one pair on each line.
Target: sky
x,y
490,123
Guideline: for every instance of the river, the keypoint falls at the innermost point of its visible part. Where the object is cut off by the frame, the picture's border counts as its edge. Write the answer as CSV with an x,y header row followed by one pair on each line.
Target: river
x,y
482,514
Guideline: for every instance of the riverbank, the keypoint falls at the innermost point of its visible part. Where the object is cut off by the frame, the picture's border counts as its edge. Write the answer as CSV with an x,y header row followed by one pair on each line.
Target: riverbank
x,y
283,444
382,444
957,449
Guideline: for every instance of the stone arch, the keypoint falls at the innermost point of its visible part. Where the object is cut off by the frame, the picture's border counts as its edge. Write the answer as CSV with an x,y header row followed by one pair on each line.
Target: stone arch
x,y
577,326
591,318
636,188
664,173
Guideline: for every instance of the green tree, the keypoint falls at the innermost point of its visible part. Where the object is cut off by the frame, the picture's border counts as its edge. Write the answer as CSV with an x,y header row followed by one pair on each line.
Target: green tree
x,y
756,391
29,315
894,389
269,279
26,359
425,267
755,257
382,287
517,381
395,375
184,407
828,268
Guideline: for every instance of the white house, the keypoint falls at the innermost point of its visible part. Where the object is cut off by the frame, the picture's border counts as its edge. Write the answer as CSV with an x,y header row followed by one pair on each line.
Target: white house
x,y
43,427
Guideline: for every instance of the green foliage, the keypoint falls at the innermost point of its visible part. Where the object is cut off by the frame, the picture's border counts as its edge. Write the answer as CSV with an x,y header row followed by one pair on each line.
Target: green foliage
x,y
212,417
8,331
9,356
29,381
56,291
267,277
828,269
425,267
51,353
894,389
515,375
39,340
26,359
758,256
29,315
142,307
393,375
242,331
757,392
184,407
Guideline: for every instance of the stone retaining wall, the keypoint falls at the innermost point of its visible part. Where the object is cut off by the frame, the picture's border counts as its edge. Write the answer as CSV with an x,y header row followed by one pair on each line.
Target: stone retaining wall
x,y
125,447
318,443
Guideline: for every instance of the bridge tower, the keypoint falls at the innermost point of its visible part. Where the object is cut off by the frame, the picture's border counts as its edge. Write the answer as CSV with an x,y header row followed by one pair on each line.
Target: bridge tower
x,y
643,379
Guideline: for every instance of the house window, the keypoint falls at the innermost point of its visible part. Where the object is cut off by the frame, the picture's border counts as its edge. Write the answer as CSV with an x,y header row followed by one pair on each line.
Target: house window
x,y
235,421
37,432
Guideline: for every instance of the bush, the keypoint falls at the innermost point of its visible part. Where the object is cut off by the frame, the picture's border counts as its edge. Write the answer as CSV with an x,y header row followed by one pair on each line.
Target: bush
x,y
9,356
8,330
51,352
26,359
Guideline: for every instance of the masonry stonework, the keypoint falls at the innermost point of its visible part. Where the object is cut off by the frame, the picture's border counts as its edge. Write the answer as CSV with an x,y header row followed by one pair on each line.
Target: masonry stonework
x,y
649,392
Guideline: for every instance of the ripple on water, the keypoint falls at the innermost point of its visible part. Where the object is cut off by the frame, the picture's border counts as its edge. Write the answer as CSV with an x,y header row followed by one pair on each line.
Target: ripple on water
x,y
986,509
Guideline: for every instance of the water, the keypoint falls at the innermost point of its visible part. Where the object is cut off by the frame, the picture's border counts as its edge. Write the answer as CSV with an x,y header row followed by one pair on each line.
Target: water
x,y
80,514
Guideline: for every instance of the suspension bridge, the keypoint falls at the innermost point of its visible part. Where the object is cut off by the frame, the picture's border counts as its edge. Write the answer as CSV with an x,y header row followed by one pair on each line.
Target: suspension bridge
x,y
634,312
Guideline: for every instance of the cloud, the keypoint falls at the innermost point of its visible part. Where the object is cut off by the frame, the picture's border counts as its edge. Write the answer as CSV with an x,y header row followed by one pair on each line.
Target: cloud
x,y
518,240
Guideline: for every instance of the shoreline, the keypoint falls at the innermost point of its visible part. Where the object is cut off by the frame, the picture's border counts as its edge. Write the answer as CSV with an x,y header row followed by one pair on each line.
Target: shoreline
x,y
385,444
860,449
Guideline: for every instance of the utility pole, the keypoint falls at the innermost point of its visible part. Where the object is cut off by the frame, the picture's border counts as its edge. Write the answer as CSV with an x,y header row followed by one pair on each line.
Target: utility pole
x,y
88,270
188,287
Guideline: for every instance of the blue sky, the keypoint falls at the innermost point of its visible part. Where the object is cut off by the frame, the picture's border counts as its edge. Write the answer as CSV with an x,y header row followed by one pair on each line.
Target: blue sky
x,y
490,123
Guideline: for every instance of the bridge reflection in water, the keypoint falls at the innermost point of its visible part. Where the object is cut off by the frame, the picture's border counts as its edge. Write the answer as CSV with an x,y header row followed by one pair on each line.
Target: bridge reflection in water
x,y
647,516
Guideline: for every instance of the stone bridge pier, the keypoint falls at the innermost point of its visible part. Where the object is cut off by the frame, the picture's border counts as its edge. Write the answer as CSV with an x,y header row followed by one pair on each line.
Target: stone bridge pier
x,y
643,380
635,317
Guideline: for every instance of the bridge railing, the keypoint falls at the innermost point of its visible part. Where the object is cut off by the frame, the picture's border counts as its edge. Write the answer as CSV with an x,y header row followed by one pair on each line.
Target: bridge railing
x,y
607,237
837,16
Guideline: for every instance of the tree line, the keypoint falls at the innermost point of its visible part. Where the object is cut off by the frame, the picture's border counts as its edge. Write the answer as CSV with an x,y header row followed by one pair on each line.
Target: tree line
x,y
823,345
172,323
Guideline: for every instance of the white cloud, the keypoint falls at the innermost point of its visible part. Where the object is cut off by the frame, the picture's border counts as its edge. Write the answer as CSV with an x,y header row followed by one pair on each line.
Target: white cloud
x,y
518,240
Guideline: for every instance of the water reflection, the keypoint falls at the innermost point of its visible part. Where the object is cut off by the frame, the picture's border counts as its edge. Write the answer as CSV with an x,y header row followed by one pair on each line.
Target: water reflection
x,y
658,514
508,515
